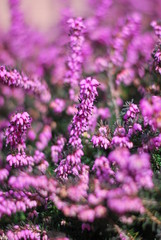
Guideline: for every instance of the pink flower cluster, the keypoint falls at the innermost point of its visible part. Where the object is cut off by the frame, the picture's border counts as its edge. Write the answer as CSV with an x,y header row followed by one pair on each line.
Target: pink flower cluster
x,y
58,105
3,174
75,60
19,160
132,112
151,112
133,172
127,30
16,132
121,139
120,192
95,167
157,51
15,201
56,150
88,93
14,79
44,138
101,139
26,232
70,165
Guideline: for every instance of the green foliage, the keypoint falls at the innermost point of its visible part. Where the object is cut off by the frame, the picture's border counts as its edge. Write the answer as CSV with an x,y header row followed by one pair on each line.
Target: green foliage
x,y
156,160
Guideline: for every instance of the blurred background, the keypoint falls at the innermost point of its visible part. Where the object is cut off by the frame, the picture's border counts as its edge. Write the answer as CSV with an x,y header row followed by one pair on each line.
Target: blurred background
x,y
41,13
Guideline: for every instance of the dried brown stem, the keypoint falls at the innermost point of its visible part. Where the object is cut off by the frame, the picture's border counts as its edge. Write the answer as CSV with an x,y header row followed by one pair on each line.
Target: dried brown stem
x,y
152,217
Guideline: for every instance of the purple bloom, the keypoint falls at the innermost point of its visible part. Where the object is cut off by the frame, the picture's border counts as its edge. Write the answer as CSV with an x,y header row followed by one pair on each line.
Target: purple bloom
x,y
126,76
157,58
88,93
44,138
15,79
139,165
20,160
71,165
16,132
120,139
58,105
100,7
75,59
101,139
56,150
134,129
157,51
127,30
3,174
132,112
157,28
126,204
26,232
155,143
103,169
151,112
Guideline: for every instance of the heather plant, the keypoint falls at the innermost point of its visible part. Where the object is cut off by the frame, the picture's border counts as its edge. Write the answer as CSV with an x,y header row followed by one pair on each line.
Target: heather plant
x,y
80,140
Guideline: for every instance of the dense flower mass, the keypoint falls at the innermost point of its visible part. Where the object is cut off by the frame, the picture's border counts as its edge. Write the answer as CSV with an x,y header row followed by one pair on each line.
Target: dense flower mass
x,y
25,232
157,28
131,112
102,138
16,131
151,111
19,160
15,79
121,139
75,59
157,51
80,123
88,93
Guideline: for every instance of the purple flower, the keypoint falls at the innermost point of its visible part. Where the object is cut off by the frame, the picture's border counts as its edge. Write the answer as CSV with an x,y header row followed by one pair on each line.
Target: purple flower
x,y
103,169
88,93
44,138
58,105
126,204
33,85
20,160
127,29
71,165
3,174
157,58
56,150
120,139
16,132
155,143
100,7
27,232
151,112
157,28
75,59
136,165
134,129
126,76
132,112
101,139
